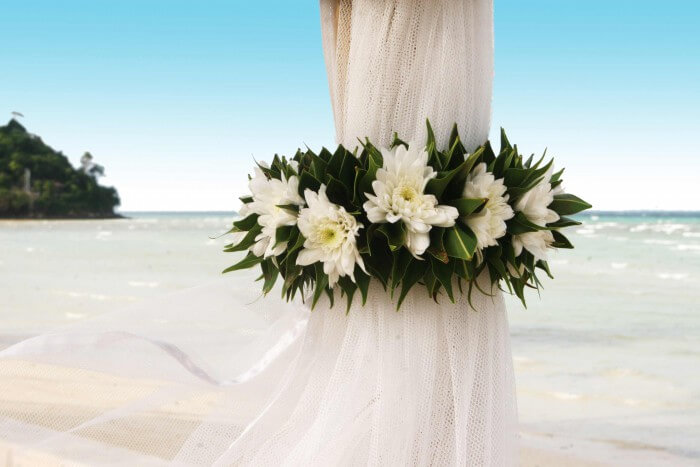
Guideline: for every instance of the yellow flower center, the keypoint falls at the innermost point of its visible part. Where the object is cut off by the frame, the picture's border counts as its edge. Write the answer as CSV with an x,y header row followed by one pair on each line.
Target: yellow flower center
x,y
408,193
328,235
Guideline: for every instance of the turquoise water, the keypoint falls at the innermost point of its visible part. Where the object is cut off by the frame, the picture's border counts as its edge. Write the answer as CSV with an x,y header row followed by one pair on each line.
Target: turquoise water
x,y
609,353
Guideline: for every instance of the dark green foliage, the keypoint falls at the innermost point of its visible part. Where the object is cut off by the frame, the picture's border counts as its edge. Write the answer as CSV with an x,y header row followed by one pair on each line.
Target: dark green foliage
x,y
57,189
452,256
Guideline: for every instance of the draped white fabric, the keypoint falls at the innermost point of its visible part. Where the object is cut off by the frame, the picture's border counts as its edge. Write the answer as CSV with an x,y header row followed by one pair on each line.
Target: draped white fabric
x,y
393,63
216,376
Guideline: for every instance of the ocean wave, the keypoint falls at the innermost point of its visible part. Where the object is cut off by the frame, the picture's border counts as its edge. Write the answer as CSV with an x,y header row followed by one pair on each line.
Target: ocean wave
x,y
690,247
619,239
72,315
618,265
150,285
103,235
676,276
661,228
658,241
565,396
92,296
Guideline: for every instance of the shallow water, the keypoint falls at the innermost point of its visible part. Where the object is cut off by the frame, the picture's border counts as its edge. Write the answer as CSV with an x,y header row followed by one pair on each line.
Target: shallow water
x,y
608,353
611,350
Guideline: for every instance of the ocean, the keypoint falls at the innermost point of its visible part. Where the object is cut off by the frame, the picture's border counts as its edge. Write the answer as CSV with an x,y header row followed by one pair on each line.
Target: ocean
x,y
608,354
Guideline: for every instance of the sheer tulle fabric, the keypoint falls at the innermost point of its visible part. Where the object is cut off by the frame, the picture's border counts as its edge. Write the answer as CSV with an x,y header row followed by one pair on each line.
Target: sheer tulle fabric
x,y
219,376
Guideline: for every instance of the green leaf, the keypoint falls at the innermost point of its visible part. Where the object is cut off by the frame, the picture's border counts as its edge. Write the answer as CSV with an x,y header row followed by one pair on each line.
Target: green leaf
x,y
331,295
567,204
444,273
464,269
319,167
402,259
414,273
347,169
337,192
521,224
283,233
543,265
455,184
379,261
270,273
308,181
293,208
375,156
247,241
336,162
541,172
516,192
362,280
505,144
321,284
365,185
431,134
556,177
297,244
437,245
563,222
357,194
348,288
325,155
560,241
515,177
247,262
496,265
460,242
467,206
487,154
457,149
395,234
246,223
398,142
431,283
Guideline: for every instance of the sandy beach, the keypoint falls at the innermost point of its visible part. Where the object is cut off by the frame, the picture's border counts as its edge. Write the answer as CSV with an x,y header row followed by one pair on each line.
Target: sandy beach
x,y
39,389
46,395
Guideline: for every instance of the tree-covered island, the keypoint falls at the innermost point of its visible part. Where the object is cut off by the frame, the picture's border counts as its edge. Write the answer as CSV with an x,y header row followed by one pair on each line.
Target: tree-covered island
x,y
38,182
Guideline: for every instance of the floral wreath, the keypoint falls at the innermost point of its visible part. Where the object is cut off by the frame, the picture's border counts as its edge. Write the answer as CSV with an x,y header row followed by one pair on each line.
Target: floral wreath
x,y
403,215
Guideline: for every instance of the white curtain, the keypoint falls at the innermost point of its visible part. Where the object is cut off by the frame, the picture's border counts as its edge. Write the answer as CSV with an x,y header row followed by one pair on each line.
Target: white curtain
x,y
393,63
215,376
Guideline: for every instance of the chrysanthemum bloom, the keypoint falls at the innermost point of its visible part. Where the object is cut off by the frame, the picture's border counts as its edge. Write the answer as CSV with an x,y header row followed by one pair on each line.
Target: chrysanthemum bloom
x,y
399,195
535,205
329,232
268,194
489,224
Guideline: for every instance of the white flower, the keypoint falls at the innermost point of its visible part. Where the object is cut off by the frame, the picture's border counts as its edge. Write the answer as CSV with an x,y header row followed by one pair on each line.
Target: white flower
x,y
329,233
399,196
534,242
558,190
489,224
535,205
268,195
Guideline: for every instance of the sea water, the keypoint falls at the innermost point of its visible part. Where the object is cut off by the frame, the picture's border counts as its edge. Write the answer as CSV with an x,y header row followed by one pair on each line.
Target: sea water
x,y
609,353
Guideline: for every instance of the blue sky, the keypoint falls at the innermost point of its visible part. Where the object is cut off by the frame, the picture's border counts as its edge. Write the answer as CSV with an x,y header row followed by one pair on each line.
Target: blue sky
x,y
175,97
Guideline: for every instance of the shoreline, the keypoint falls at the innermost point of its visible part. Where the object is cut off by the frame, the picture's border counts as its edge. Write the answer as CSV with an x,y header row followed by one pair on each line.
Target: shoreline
x,y
64,218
